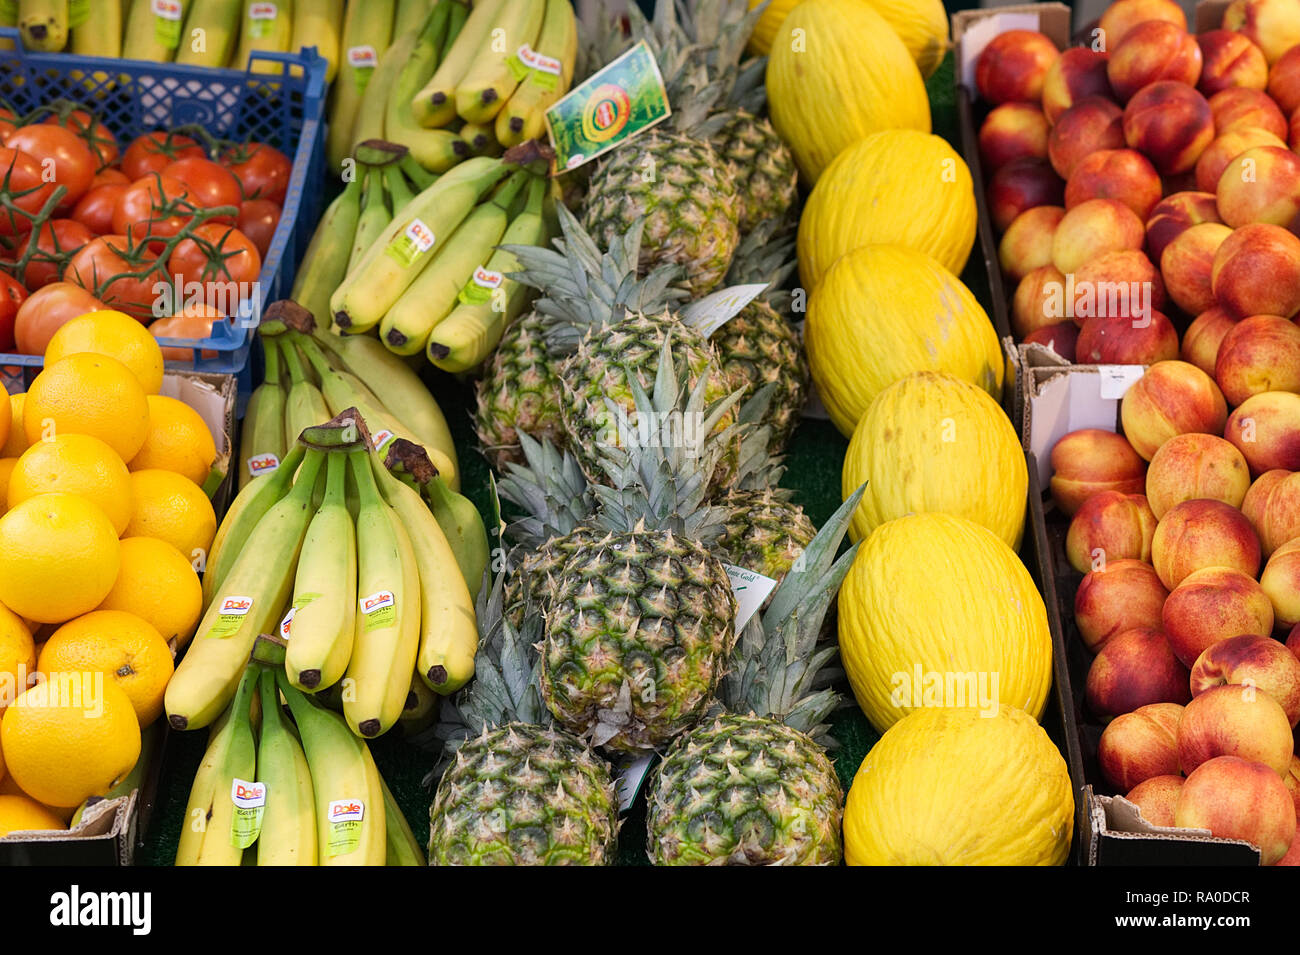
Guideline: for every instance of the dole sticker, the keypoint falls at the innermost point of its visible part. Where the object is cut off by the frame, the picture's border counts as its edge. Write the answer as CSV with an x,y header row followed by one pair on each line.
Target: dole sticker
x,y
363,57
380,439
262,11
230,616
250,804
287,622
263,464
347,810
379,610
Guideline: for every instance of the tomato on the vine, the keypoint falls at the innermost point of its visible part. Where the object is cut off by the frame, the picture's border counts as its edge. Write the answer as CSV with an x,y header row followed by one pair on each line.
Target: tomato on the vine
x,y
12,295
221,254
210,184
8,123
96,208
258,219
110,177
26,188
152,152
121,274
72,161
55,243
263,171
148,209
47,310
95,134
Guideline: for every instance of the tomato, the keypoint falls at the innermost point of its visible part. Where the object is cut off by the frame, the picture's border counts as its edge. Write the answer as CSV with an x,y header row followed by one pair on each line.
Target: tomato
x,y
263,171
258,219
101,259
95,134
95,210
73,163
210,184
153,152
8,123
20,177
12,295
193,321
230,257
46,311
143,209
110,177
55,242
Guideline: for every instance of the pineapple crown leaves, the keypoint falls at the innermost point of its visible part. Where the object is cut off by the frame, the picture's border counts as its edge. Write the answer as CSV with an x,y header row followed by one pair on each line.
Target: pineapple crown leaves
x,y
758,469
749,92
766,254
550,488
776,664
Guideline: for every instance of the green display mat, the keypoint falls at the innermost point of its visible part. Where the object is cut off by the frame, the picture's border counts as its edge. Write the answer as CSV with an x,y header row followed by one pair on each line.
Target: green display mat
x,y
813,460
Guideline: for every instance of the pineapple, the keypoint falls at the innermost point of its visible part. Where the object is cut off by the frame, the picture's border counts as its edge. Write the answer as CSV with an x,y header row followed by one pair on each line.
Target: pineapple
x,y
519,392
518,791
754,786
763,167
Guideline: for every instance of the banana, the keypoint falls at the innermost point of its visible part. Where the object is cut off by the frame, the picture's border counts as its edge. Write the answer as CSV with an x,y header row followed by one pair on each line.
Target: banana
x,y
317,23
261,440
467,336
351,824
250,600
248,508
325,590
455,23
367,32
463,526
432,296
374,219
387,633
480,139
211,33
435,104
43,24
206,836
410,15
482,92
550,72
305,406
153,35
402,846
100,33
325,262
448,632
265,27
397,257
288,835
369,122
420,710
399,190
436,150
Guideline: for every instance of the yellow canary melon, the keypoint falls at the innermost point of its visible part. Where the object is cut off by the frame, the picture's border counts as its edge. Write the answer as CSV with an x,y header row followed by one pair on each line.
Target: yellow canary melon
x,y
934,597
933,442
896,187
883,312
961,787
838,72
922,25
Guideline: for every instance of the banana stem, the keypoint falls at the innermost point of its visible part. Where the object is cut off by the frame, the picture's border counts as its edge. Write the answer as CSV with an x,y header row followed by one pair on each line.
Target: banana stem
x,y
296,373
508,190
336,478
367,489
397,188
273,368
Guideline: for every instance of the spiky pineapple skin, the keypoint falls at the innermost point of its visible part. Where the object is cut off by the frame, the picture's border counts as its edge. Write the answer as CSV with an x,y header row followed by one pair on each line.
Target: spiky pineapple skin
x,y
759,346
764,533
639,624
744,790
520,392
766,177
686,193
523,794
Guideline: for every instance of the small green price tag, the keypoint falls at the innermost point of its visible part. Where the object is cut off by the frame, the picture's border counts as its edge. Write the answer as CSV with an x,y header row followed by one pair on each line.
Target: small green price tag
x,y
230,616
345,818
378,610
78,13
478,290
411,243
250,805
625,98
167,15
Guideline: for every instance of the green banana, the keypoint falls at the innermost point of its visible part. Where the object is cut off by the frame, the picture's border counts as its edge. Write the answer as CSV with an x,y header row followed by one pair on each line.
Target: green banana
x,y
325,262
402,846
435,104
455,23
374,219
261,440
410,15
399,190
305,405
288,835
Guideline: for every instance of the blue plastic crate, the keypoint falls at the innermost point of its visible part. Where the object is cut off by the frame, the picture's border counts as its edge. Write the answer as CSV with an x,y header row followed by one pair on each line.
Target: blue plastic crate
x,y
284,109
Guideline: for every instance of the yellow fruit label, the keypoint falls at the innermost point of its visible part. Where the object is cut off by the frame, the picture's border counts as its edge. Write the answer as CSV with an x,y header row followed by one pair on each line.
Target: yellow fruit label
x,y
167,16
379,610
230,616
345,819
250,805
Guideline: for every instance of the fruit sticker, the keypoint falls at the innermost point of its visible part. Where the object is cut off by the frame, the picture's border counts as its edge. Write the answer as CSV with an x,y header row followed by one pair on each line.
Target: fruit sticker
x,y
230,616
345,817
363,60
411,243
167,22
250,805
478,290
545,70
380,439
261,464
262,19
379,610
286,625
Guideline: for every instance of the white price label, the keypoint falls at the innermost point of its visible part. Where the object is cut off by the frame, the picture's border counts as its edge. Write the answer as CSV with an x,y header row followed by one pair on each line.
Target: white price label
x,y
1117,379
167,9
751,589
263,11
630,777
363,57
538,61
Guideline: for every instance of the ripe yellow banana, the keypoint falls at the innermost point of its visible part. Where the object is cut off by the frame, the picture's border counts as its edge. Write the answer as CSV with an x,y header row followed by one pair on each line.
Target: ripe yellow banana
x,y
153,30
261,440
387,633
250,601
288,835
43,24
369,122
462,524
100,33
211,33
325,590
265,26
318,23
367,32
420,710
550,71
434,149
435,104
482,92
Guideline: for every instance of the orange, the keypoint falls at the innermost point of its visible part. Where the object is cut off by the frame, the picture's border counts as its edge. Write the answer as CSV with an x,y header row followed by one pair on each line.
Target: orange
x,y
10,788
59,556
194,321
6,469
174,509
17,656
178,440
74,464
88,394
119,645
17,441
70,738
23,814
157,582
116,335
6,418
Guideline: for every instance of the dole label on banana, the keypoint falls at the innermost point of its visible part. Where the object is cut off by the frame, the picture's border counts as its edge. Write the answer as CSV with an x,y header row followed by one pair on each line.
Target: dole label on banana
x,y
250,805
413,241
381,439
263,464
547,69
345,817
167,22
363,57
478,290
379,609
231,616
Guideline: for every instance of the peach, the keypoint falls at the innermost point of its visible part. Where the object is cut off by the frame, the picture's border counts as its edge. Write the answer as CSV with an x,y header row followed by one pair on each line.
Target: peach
x,y
1292,856
1122,174
1261,184
1121,340
1240,107
1272,505
1027,243
1293,137
1078,72
1150,53
1012,68
1093,228
1250,660
1038,301
1227,147
1274,25
1201,340
1257,272
1238,799
1090,460
1110,526
1090,125
1012,131
1123,15
1135,668
1211,605
1062,338
1292,782
1121,284
1139,745
1191,466
1156,798
1019,185
1284,81
1176,213
1187,266
1259,354
1171,123
1236,721
1172,398
1120,596
1266,430
1230,59
1197,534
1281,582
1293,640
